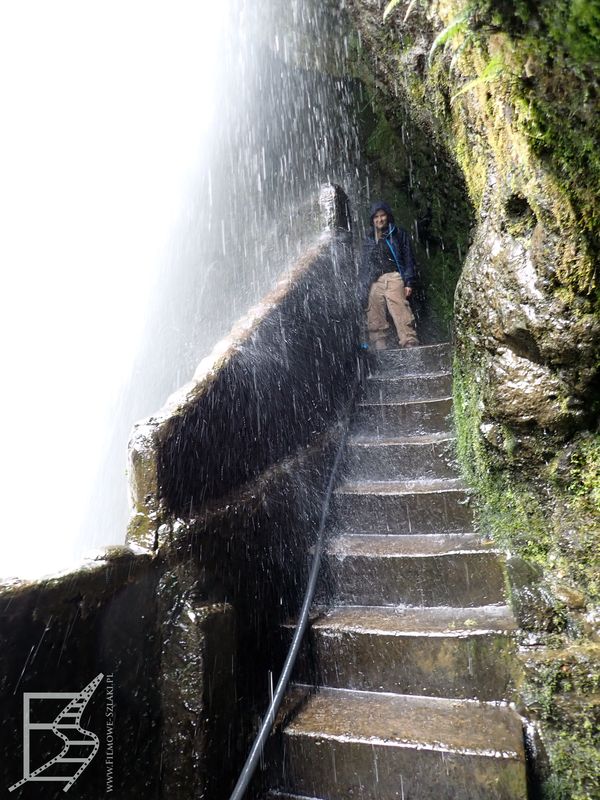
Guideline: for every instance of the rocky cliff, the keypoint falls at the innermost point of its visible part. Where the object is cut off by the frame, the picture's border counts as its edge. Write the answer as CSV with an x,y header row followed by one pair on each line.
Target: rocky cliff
x,y
482,125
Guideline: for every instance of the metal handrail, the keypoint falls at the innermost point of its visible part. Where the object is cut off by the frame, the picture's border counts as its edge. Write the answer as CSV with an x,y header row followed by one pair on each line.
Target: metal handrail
x,y
269,718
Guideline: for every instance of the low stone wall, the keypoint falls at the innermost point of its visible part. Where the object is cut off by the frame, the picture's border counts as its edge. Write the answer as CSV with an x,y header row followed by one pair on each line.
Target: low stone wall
x,y
59,634
279,379
228,482
245,561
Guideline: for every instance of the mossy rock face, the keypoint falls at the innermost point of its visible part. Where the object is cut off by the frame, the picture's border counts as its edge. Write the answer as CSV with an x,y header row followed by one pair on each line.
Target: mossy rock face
x,y
507,95
562,693
534,350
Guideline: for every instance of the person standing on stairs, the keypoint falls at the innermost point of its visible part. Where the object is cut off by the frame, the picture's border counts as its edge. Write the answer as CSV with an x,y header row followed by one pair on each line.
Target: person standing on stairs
x,y
386,279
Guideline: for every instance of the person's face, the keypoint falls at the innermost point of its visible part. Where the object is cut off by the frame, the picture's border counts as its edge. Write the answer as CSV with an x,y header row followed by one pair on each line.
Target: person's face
x,y
380,220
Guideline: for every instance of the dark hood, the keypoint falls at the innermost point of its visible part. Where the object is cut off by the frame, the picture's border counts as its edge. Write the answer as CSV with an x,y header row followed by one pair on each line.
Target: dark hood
x,y
381,205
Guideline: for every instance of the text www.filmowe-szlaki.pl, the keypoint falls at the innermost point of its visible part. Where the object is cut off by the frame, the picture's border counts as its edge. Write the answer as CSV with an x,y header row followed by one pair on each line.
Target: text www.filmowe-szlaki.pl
x,y
110,721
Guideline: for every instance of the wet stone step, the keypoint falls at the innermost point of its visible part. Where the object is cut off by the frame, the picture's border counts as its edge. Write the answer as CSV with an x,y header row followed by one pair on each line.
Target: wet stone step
x,y
375,746
439,651
417,360
402,419
287,796
400,458
401,507
390,388
376,570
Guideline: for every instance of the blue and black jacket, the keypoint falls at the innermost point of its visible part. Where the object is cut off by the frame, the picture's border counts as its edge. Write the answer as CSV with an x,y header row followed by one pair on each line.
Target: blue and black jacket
x,y
393,252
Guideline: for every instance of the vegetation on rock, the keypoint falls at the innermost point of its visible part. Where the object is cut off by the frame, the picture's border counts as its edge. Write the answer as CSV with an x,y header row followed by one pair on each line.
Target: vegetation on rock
x,y
505,95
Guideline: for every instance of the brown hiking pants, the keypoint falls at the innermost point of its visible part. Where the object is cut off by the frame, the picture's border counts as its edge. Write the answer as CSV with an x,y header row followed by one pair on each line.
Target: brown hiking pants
x,y
387,293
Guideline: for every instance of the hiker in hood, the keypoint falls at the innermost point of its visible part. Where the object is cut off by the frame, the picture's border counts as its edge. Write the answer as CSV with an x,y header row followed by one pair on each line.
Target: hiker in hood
x,y
387,277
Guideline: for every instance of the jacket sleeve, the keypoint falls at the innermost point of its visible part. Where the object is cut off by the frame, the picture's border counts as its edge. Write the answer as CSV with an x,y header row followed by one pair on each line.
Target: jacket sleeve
x,y
409,272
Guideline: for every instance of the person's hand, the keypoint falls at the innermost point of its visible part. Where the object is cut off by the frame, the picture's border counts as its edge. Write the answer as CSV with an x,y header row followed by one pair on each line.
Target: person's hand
x,y
407,291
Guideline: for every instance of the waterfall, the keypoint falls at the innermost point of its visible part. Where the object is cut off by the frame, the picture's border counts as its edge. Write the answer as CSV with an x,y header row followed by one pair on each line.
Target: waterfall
x,y
162,164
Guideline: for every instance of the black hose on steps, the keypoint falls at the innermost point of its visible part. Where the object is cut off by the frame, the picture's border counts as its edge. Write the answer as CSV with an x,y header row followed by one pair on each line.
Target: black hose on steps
x,y
269,718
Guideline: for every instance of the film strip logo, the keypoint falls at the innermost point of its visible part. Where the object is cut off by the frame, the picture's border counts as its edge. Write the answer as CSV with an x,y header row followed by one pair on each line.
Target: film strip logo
x,y
79,746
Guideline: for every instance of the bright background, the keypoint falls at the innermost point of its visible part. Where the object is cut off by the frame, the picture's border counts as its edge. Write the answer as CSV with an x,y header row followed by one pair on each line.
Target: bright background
x,y
103,121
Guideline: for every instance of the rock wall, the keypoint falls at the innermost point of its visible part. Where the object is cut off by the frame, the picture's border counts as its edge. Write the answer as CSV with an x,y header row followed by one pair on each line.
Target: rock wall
x,y
509,93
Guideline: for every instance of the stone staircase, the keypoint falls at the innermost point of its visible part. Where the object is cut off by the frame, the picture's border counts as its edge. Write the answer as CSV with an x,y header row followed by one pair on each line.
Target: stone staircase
x,y
402,688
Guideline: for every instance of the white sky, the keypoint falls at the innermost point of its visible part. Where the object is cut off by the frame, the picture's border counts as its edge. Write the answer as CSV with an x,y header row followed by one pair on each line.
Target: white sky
x,y
103,108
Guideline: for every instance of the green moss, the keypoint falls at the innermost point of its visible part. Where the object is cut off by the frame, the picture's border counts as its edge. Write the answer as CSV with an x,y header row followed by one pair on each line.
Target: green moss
x,y
384,147
508,509
472,161
562,689
553,519
584,484
554,676
576,769
554,90
575,26
578,520
542,61
561,686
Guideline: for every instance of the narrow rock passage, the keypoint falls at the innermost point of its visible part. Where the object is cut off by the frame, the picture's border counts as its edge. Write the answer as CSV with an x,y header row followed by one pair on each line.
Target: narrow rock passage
x,y
412,653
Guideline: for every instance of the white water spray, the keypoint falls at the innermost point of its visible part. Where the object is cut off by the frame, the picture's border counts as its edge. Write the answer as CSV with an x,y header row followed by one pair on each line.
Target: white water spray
x,y
155,167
